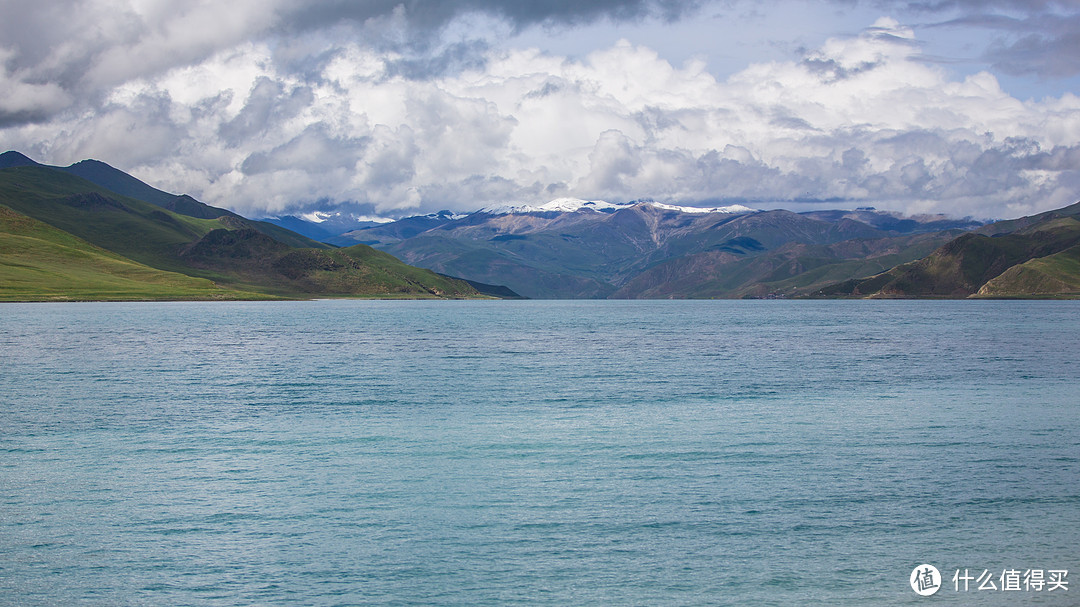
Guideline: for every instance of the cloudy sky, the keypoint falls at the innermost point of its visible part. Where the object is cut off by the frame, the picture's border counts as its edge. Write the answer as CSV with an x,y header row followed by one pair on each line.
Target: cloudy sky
x,y
392,108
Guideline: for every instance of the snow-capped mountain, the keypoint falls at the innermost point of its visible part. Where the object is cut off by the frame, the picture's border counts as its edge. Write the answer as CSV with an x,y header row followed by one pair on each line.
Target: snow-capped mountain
x,y
324,225
339,218
345,228
574,205
735,208
575,248
559,205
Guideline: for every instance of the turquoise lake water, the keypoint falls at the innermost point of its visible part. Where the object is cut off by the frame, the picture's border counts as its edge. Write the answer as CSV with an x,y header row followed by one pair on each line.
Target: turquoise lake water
x,y
536,452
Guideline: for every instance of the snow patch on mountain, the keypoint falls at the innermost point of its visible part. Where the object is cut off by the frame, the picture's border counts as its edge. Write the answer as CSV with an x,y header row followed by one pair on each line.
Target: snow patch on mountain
x,y
735,208
450,215
559,205
573,205
321,216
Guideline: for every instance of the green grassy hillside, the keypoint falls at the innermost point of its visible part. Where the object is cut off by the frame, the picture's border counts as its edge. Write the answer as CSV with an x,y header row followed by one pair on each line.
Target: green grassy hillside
x,y
226,252
132,228
1031,256
255,260
1057,274
40,263
119,182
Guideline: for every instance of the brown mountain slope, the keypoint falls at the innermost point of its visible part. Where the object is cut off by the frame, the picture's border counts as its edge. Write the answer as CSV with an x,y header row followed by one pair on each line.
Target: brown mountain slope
x,y
1003,263
790,270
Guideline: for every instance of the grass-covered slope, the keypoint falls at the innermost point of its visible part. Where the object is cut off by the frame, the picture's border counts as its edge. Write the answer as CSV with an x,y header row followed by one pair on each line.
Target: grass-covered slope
x,y
118,182
1031,256
41,263
1057,274
115,180
132,228
226,250
254,260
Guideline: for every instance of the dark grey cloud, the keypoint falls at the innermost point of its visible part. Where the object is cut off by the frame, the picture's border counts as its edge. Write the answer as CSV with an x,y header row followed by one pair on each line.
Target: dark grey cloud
x,y
654,120
268,104
1037,37
1050,51
463,194
1059,158
84,48
454,58
392,163
982,5
786,121
551,87
831,70
314,151
427,15
1044,40
414,28
11,118
32,31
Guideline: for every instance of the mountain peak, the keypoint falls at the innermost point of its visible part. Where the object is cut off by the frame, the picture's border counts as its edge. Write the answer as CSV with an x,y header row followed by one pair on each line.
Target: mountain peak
x,y
90,162
15,159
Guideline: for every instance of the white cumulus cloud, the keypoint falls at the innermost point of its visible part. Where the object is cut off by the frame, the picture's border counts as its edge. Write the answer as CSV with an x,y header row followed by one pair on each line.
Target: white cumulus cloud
x,y
860,118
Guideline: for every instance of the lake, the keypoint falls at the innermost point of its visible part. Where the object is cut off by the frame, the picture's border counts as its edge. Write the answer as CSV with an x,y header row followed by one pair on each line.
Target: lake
x,y
538,452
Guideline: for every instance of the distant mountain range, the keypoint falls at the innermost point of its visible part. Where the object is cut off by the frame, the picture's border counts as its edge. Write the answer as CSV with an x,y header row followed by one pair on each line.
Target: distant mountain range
x,y
90,224
594,249
90,231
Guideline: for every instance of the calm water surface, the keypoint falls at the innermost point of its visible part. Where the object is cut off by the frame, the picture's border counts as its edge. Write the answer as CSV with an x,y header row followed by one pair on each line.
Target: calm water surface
x,y
563,453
